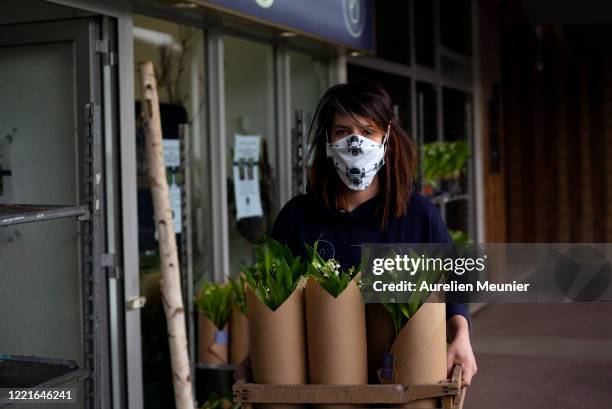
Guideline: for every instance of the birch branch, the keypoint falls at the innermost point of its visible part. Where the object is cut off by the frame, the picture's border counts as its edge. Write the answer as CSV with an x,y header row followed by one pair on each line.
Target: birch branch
x,y
170,283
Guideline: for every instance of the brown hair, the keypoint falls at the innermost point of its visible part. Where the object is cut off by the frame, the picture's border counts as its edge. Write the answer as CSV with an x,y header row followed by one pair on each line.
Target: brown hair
x,y
369,100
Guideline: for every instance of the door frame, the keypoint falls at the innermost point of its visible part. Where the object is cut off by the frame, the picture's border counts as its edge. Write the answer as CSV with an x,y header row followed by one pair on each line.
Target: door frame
x,y
128,262
83,33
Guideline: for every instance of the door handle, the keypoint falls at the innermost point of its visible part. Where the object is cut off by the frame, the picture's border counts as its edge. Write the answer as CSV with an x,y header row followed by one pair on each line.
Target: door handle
x,y
136,303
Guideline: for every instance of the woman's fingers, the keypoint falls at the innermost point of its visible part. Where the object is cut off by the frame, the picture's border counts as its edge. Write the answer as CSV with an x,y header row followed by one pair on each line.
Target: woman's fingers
x,y
460,352
468,373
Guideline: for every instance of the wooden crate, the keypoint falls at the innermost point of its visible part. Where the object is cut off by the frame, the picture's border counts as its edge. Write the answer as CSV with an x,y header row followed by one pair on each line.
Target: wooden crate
x,y
390,396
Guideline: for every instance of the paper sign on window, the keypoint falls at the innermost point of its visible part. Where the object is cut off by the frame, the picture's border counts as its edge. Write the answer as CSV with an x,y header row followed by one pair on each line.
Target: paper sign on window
x,y
246,176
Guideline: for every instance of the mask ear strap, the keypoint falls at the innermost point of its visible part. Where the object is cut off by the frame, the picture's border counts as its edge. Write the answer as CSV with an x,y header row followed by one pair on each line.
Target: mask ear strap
x,y
327,142
387,134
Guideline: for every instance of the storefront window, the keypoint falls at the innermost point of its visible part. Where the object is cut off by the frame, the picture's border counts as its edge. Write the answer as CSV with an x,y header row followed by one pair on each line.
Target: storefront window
x,y
177,53
309,81
251,146
424,33
457,127
456,25
393,31
427,112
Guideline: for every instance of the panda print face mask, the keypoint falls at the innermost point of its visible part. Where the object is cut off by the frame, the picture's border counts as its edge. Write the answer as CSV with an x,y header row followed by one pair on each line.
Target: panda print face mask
x,y
357,159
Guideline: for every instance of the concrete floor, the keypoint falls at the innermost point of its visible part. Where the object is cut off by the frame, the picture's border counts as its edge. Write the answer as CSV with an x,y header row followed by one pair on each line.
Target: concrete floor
x,y
542,356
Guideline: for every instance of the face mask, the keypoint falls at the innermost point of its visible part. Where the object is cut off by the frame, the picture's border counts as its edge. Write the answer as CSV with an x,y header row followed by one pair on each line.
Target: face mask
x,y
357,159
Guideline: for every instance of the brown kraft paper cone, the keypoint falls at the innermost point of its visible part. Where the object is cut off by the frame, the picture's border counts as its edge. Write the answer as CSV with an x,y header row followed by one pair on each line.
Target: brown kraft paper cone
x,y
336,331
420,351
277,342
239,336
212,342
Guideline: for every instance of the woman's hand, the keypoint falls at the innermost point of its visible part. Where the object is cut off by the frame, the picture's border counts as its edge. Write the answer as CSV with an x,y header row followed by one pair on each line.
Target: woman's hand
x,y
460,348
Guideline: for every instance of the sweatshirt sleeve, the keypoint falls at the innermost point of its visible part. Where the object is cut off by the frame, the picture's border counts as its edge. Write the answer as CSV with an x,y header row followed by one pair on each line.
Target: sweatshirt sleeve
x,y
439,234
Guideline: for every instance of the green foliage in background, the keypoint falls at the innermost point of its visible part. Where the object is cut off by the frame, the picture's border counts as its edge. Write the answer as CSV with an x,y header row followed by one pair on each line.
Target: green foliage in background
x,y
459,237
238,297
328,273
275,274
444,161
401,313
220,402
213,300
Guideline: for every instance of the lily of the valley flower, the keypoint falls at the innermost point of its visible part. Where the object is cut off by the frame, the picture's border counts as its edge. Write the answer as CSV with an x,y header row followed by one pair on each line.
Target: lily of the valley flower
x,y
328,273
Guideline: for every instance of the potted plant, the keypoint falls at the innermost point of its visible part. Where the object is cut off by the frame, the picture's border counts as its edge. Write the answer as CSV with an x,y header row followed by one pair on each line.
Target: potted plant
x,y
275,305
213,305
443,162
335,323
408,340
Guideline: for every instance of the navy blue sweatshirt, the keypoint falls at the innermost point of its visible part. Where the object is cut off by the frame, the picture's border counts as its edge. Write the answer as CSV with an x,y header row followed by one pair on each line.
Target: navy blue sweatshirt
x,y
306,219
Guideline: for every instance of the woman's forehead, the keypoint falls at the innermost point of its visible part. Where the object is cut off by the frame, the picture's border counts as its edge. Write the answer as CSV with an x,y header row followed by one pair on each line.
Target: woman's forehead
x,y
351,121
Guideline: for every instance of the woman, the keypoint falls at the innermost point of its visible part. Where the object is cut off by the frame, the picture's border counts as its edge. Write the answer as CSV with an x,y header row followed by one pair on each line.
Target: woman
x,y
361,191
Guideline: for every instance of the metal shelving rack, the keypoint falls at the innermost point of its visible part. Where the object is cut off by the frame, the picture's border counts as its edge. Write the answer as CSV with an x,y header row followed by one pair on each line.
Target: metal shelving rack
x,y
94,292
32,372
27,371
11,214
38,372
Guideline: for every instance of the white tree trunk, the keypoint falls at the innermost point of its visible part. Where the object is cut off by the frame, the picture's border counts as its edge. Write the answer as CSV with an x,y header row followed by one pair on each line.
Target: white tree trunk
x,y
170,282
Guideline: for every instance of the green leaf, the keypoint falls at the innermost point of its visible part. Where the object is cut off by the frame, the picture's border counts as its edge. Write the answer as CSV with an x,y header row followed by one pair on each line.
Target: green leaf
x,y
275,274
328,272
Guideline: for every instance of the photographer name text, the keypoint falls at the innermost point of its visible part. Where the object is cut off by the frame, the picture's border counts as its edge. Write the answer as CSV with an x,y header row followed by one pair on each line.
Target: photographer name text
x,y
452,286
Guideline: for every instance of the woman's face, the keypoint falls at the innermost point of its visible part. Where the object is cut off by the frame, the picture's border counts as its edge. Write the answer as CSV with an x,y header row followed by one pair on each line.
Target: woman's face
x,y
344,125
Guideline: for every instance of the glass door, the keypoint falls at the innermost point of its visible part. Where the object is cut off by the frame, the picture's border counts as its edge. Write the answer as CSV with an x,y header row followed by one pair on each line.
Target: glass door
x,y
309,79
251,155
177,53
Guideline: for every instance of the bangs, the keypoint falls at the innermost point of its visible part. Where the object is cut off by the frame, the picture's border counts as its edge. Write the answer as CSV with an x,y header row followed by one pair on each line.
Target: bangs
x,y
357,107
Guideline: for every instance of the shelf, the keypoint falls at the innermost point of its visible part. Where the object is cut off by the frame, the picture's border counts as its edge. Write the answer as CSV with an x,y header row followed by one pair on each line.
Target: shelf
x,y
216,367
33,372
447,198
11,214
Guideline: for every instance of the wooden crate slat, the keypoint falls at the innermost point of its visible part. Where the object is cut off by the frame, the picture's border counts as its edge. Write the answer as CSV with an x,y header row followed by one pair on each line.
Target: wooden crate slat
x,y
348,394
458,401
451,392
456,375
